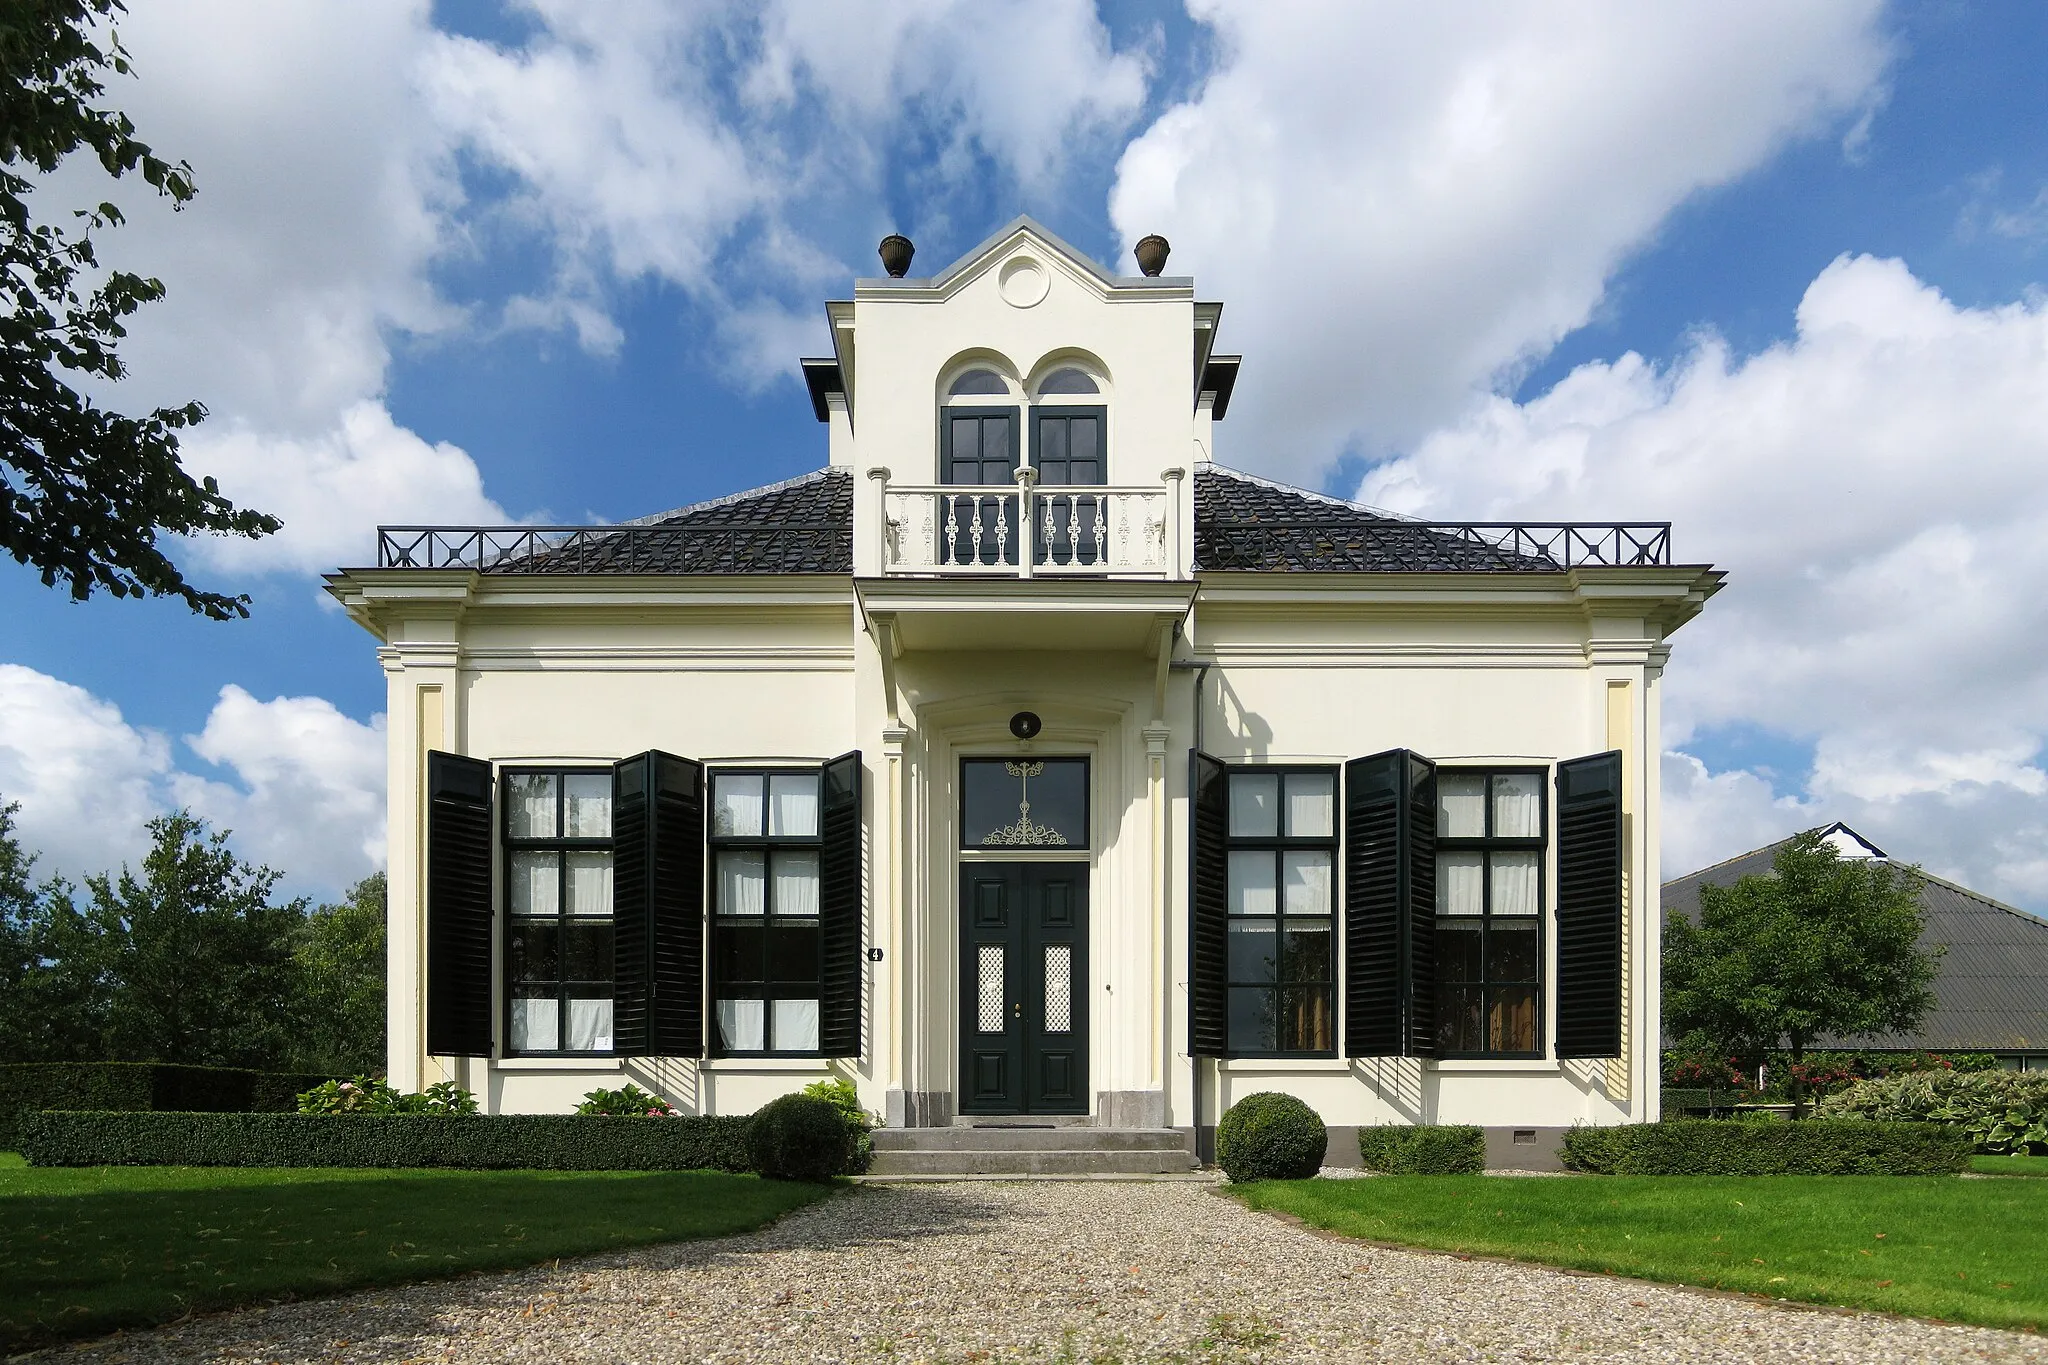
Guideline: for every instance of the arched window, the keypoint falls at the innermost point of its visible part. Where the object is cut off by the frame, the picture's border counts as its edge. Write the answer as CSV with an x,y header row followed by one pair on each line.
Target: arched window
x,y
975,382
1070,429
979,432
1069,380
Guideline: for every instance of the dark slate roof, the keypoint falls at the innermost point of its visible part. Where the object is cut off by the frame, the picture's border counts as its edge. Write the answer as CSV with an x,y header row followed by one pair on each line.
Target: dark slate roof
x,y
801,525
1243,522
1991,992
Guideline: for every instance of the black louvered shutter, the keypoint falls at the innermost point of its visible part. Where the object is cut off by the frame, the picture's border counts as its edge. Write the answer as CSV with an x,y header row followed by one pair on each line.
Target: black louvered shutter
x,y
1208,905
658,905
1390,906
1589,906
458,906
840,882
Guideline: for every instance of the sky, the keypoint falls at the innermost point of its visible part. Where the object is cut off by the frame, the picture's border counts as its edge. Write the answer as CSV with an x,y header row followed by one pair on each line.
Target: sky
x,y
1772,273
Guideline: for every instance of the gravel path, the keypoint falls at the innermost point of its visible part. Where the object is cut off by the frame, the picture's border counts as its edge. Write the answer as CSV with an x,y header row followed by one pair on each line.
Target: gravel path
x,y
1052,1272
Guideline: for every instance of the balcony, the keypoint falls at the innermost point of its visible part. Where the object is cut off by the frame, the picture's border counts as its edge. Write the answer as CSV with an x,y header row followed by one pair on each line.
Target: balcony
x,y
1106,531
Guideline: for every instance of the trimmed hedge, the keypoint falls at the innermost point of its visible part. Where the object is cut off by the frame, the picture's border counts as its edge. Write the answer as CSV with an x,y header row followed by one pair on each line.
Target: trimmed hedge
x,y
1808,1147
27,1087
1270,1136
1423,1149
546,1142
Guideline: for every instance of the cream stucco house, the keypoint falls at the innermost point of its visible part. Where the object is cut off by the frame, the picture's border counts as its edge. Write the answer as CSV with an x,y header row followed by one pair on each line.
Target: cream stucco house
x,y
1026,760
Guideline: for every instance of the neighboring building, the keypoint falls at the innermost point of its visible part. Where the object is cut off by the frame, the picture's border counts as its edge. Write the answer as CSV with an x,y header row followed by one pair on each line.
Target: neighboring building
x,y
1991,993
1025,761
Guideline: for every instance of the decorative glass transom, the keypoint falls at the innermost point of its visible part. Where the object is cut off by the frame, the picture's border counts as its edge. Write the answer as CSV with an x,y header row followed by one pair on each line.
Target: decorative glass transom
x,y
1024,803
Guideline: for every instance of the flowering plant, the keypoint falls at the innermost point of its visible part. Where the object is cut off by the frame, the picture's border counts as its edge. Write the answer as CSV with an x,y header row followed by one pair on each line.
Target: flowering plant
x,y
371,1095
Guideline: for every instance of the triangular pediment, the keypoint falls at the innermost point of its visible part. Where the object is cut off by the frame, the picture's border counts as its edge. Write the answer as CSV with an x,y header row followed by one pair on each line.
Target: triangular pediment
x,y
1024,234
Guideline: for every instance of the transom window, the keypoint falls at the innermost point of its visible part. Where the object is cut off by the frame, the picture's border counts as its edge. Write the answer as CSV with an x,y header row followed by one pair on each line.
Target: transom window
x,y
764,905
1068,379
1281,964
558,908
1490,904
979,382
987,430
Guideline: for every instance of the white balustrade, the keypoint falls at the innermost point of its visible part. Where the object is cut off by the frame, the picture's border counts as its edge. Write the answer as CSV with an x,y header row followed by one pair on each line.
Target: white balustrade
x,y
1027,531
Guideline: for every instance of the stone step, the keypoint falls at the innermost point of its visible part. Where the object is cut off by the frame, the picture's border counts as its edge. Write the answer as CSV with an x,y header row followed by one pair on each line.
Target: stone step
x,y
1030,1140
1040,1162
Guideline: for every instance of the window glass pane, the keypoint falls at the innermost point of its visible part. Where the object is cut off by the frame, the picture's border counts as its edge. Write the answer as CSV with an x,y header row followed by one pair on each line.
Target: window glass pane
x,y
1460,883
1457,953
1308,952
1517,806
796,881
1460,805
796,1025
587,805
1515,881
740,952
535,883
978,381
530,802
1307,878
1012,803
530,951
989,1016
590,881
1253,950
1305,1019
1252,891
1059,988
587,952
1252,1022
736,805
1511,1019
590,1025
1254,805
1068,380
1311,805
1511,952
1458,1019
742,882
793,954
535,1021
741,1025
793,805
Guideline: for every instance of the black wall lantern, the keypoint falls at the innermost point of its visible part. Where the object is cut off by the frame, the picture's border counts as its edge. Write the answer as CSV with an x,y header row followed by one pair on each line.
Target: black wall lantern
x,y
1026,725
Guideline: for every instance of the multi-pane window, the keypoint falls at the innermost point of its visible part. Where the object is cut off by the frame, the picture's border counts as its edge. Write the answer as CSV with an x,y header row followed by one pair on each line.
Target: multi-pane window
x,y
558,909
1282,865
764,906
1489,903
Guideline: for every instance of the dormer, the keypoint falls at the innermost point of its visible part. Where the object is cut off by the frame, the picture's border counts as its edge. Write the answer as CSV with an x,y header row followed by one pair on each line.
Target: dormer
x,y
1024,395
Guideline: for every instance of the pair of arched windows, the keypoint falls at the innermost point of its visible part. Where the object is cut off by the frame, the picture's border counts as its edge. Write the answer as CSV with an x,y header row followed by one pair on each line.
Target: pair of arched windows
x,y
983,435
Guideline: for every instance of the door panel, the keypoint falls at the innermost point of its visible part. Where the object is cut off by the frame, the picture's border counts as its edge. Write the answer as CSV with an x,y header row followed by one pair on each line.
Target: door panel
x,y
1024,988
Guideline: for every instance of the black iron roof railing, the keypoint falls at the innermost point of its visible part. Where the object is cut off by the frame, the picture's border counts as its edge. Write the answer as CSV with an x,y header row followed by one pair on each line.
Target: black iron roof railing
x,y
1392,544
786,547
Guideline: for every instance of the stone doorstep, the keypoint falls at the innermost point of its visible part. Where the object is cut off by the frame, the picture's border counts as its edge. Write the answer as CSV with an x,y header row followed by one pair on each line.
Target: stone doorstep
x,y
1032,1139
1099,1177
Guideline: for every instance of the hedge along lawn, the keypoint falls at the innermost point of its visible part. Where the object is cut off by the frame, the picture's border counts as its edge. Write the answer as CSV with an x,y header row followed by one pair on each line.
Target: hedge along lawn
x,y
86,1250
1934,1246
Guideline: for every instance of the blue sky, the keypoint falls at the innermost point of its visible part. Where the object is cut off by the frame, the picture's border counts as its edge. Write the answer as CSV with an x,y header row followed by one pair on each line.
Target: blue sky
x,y
1773,276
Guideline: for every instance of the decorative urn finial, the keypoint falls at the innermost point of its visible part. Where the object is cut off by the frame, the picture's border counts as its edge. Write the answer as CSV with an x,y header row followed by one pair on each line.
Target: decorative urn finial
x,y
1151,253
896,252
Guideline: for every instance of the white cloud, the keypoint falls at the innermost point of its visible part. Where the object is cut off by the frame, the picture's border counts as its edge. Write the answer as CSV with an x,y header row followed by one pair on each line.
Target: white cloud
x,y
1877,488
1401,203
308,800
728,151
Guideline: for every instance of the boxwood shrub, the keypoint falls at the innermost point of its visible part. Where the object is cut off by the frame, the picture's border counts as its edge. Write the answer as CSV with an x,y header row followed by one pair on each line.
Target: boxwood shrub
x,y
1423,1149
800,1137
26,1087
1809,1147
1270,1136
549,1142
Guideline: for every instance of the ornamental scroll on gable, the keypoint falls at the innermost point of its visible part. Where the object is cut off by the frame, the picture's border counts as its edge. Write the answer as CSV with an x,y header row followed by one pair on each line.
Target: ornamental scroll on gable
x,y
1024,803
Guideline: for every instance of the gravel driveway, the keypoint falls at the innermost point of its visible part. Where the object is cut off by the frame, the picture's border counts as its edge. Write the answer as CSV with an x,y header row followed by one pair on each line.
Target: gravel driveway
x,y
1059,1272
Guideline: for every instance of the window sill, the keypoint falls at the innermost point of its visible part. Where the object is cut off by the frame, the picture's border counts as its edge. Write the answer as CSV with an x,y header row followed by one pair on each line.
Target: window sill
x,y
559,1064
1238,1066
1537,1066
717,1064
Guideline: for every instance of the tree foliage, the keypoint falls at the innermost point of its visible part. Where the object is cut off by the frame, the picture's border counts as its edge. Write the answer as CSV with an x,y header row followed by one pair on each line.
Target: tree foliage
x,y
191,958
1822,946
85,492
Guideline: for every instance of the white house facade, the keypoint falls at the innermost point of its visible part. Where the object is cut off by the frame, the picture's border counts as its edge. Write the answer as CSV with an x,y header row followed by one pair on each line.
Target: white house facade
x,y
1027,761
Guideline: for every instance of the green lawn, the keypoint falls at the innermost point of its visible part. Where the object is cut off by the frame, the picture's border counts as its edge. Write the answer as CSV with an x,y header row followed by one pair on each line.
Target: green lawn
x,y
91,1249
2009,1165
1965,1250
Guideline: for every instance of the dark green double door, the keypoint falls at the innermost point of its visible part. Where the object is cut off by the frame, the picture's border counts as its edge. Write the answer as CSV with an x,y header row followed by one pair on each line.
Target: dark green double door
x,y
1024,988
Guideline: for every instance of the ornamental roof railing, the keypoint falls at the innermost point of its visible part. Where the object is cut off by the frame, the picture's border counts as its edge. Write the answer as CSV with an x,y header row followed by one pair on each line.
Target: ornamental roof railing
x,y
657,548
1357,543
